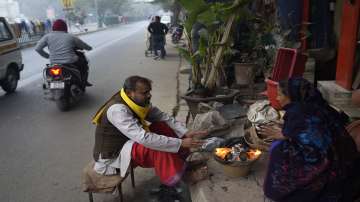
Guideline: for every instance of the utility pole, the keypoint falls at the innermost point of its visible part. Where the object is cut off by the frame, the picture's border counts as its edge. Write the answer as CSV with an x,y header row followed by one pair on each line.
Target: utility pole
x,y
68,7
96,10
97,13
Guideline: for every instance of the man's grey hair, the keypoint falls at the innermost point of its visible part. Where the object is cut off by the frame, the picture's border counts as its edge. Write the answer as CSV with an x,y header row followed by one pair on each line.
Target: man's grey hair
x,y
130,82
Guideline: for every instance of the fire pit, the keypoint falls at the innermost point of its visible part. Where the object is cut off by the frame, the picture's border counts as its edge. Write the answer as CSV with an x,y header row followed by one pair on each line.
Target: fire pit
x,y
236,158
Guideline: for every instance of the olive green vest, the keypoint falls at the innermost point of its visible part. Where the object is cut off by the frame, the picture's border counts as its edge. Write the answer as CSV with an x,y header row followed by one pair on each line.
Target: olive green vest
x,y
108,139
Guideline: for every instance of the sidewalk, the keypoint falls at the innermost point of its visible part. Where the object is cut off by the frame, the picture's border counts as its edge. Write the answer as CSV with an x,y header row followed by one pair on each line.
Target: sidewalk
x,y
219,187
87,28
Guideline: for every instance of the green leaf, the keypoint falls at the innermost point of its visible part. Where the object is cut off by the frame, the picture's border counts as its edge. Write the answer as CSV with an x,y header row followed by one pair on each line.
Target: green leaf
x,y
202,46
192,5
208,18
239,4
185,53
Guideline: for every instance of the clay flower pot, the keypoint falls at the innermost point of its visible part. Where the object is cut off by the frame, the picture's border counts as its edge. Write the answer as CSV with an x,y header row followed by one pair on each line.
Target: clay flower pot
x,y
244,73
225,96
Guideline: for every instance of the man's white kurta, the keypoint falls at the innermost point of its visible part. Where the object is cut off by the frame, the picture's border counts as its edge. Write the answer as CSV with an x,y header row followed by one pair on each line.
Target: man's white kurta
x,y
123,119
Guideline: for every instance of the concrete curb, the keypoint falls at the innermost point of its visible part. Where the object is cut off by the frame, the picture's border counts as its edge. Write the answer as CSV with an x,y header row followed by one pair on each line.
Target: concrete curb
x,y
182,109
33,43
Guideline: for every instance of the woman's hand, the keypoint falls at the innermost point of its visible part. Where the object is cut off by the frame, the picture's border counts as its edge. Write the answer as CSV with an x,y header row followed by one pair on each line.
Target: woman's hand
x,y
189,142
196,134
271,132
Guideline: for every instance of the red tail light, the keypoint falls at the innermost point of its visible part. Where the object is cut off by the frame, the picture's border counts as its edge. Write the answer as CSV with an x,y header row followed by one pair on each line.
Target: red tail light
x,y
55,71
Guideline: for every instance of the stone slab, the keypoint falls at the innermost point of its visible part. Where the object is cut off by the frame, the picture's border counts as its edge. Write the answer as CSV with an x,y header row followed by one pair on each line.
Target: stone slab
x,y
335,94
339,97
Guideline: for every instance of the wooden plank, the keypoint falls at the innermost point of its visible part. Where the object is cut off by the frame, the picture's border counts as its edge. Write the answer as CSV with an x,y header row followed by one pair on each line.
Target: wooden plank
x,y
347,43
304,24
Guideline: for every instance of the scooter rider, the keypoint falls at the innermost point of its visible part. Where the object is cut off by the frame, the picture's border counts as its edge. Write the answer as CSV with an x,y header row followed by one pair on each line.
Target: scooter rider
x,y
158,31
62,48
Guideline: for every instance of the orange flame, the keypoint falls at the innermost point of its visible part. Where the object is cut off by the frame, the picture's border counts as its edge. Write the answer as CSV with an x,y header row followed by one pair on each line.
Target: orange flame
x,y
253,154
222,152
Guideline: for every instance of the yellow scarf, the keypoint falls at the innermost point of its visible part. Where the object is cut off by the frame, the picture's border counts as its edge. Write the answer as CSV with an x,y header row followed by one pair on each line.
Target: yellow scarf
x,y
140,111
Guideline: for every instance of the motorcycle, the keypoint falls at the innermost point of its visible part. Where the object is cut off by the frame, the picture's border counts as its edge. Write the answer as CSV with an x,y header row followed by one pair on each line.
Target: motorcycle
x,y
177,34
63,84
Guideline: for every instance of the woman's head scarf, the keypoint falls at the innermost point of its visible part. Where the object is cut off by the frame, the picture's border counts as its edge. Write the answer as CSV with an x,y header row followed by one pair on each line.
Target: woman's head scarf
x,y
307,104
301,91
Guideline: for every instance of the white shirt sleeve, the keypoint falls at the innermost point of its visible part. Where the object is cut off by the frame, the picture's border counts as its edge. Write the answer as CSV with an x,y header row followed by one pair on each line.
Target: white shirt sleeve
x,y
156,114
123,119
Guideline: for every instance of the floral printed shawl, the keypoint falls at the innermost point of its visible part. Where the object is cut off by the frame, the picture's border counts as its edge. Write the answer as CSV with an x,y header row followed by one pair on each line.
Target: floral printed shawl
x,y
306,166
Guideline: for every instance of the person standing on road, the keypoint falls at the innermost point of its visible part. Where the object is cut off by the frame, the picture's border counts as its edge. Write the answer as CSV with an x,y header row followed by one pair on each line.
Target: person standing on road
x,y
123,136
62,48
158,31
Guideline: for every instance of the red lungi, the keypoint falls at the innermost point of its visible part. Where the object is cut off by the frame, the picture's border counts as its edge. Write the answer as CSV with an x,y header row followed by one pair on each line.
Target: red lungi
x,y
168,166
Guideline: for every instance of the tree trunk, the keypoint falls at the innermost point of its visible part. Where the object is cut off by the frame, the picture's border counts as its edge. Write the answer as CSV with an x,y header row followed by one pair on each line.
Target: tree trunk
x,y
211,82
176,11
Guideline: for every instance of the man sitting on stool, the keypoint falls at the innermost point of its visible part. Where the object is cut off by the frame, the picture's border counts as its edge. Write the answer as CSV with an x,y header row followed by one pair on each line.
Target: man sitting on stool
x,y
123,136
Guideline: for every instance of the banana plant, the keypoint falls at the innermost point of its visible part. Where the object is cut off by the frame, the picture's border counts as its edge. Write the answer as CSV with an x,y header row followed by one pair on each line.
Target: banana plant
x,y
218,18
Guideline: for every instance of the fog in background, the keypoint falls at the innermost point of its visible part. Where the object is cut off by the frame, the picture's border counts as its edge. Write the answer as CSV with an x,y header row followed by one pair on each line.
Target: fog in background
x,y
37,9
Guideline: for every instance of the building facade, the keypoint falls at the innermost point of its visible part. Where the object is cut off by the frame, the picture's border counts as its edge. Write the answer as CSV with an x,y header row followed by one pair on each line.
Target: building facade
x,y
9,9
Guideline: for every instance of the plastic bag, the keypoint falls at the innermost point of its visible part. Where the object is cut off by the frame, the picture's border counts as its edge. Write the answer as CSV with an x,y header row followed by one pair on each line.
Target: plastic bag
x,y
261,112
212,143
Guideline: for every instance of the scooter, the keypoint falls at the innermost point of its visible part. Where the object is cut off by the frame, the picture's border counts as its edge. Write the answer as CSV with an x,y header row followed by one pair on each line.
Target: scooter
x,y
177,34
63,84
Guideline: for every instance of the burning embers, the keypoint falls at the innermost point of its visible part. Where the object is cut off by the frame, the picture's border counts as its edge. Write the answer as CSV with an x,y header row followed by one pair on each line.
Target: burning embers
x,y
236,157
237,153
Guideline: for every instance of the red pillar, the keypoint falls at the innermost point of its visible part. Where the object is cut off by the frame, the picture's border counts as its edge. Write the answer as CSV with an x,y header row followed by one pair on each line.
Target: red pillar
x,y
304,24
347,43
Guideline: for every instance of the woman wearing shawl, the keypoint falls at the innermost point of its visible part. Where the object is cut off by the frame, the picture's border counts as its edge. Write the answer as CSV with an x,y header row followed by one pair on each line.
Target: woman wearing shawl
x,y
313,157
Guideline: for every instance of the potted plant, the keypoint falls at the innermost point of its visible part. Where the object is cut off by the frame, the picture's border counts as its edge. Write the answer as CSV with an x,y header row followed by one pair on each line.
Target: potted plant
x,y
258,49
218,20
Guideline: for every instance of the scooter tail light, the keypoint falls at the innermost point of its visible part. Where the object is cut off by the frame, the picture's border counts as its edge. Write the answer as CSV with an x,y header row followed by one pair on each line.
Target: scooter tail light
x,y
55,71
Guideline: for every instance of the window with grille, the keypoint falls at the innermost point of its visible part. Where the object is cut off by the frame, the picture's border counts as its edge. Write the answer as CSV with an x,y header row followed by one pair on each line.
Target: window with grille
x,y
4,32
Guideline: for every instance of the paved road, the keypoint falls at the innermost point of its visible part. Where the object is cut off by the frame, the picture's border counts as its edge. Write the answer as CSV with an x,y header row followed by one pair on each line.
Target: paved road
x,y
34,63
42,150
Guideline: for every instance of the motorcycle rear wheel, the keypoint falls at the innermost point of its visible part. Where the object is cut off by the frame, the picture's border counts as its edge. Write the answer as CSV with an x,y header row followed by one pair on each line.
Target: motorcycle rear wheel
x,y
63,104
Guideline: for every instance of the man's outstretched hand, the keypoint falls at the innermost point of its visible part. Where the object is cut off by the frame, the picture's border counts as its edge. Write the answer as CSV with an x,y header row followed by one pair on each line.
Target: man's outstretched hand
x,y
199,134
192,139
189,142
